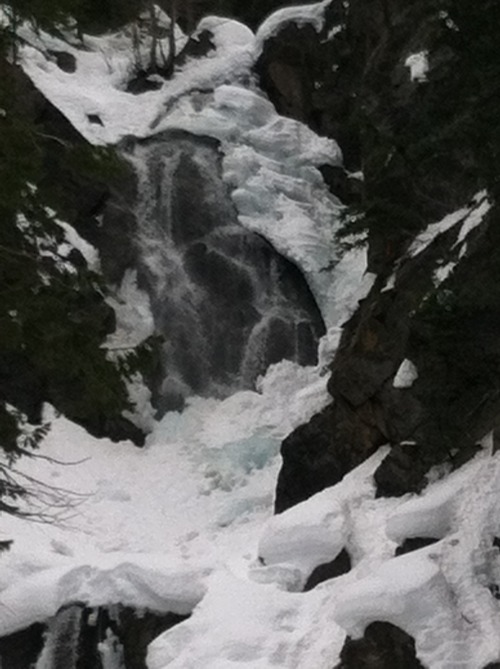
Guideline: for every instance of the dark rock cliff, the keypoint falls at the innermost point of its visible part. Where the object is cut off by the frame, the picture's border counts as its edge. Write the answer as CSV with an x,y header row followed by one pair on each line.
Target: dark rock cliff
x,y
427,146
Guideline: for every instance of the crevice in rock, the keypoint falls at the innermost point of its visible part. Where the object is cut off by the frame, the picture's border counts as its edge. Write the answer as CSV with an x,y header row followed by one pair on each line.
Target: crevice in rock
x,y
324,572
383,646
414,544
80,637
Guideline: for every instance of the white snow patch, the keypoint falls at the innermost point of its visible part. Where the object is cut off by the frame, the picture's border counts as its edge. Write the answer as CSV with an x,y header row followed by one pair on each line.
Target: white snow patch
x,y
88,251
476,216
469,217
302,15
419,66
334,31
443,272
406,375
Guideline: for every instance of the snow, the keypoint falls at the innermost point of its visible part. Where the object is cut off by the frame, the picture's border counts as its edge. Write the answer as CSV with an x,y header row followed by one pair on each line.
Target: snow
x,y
469,217
185,524
443,272
312,14
122,538
476,216
419,66
141,581
406,375
74,240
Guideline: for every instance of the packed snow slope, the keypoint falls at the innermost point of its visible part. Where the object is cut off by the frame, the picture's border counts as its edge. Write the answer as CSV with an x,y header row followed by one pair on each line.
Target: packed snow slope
x,y
185,524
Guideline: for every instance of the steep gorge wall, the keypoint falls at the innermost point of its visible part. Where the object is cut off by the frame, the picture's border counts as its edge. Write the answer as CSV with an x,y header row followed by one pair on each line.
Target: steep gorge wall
x,y
427,147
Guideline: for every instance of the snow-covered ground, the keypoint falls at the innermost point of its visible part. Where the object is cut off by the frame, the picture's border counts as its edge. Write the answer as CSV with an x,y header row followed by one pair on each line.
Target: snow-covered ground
x,y
146,526
186,523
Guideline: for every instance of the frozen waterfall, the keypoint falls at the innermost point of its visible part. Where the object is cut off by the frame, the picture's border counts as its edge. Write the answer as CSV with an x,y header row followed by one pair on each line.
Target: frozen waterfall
x,y
225,302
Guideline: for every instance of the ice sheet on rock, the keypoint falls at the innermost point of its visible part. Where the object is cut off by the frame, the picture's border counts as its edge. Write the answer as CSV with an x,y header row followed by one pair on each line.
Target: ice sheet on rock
x,y
431,514
227,34
410,592
312,14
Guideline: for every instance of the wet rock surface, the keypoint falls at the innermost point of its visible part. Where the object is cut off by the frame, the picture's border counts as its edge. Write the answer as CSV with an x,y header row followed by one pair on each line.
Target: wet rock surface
x,y
21,650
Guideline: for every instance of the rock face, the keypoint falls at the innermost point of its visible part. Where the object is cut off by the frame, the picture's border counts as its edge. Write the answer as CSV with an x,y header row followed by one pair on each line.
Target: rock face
x,y
412,108
21,650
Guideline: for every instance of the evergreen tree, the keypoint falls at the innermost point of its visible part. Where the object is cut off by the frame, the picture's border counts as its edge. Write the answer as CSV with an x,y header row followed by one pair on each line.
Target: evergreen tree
x,y
53,315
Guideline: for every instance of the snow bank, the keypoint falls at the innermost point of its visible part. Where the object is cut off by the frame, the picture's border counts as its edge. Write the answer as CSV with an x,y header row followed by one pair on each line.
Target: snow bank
x,y
241,625
138,581
312,14
406,375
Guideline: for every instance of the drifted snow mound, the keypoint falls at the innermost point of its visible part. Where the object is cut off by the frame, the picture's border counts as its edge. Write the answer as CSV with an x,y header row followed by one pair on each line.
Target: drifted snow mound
x,y
442,595
151,582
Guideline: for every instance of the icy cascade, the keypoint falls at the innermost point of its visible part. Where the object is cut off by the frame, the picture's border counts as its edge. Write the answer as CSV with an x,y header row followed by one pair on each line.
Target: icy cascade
x,y
226,303
61,648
